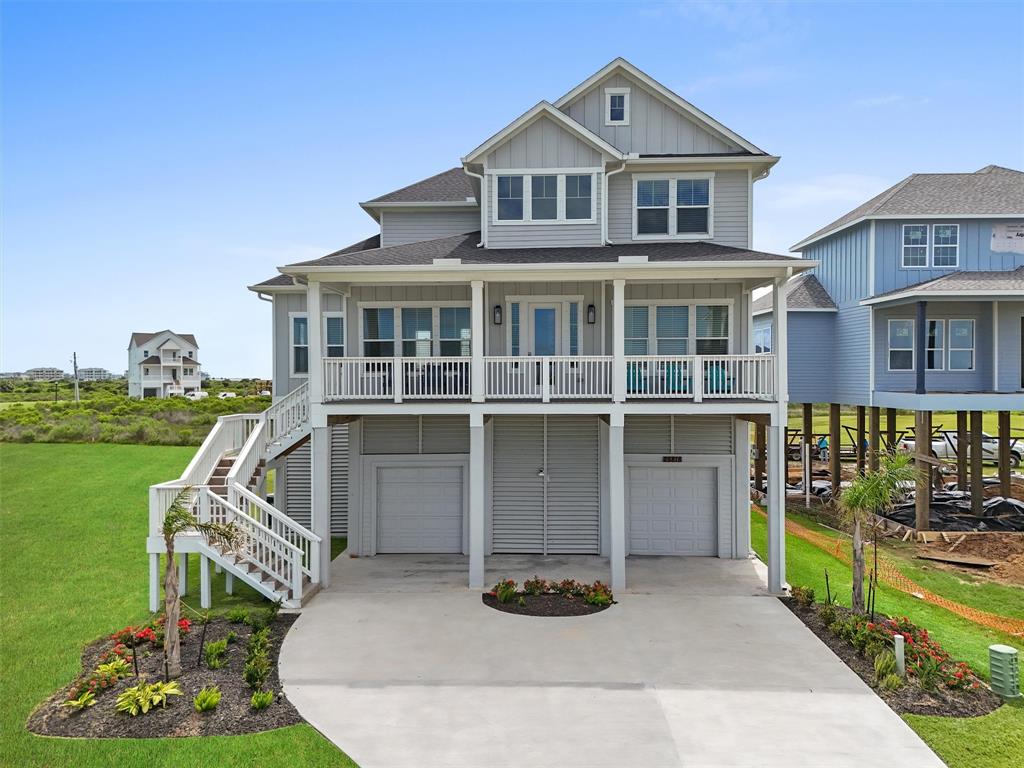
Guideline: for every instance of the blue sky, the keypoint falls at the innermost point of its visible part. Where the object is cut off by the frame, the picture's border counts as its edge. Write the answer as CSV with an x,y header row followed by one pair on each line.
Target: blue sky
x,y
157,158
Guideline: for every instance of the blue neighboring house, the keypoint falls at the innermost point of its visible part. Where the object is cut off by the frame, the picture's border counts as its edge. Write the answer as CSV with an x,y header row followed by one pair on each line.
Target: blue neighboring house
x,y
917,301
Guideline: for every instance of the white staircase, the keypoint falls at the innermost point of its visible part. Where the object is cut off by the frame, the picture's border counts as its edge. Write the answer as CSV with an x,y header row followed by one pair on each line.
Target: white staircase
x,y
274,555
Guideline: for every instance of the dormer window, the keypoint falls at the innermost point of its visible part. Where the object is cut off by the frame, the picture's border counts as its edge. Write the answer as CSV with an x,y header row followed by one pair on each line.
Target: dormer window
x,y
616,106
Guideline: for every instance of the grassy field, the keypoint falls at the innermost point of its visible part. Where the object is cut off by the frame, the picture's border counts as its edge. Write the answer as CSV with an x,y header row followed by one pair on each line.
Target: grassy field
x,y
904,421
992,741
72,527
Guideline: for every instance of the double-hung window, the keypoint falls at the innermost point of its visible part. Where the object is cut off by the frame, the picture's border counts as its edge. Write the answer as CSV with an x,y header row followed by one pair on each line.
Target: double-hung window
x,y
961,345
455,332
334,334
616,106
915,245
935,351
678,206
637,330
378,332
901,345
578,197
544,202
300,344
672,330
510,198
712,329
945,245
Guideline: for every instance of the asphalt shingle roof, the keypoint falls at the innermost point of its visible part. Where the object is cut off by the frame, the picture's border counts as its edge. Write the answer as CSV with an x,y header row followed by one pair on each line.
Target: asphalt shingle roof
x,y
279,281
802,292
142,338
1000,280
464,247
991,190
451,186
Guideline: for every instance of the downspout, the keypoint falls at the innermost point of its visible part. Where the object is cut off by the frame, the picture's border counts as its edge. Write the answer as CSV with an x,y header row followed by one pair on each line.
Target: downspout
x,y
483,206
604,199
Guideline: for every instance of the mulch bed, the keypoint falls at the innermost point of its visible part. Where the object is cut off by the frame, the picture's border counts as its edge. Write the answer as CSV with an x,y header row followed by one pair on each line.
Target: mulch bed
x,y
232,716
544,605
910,699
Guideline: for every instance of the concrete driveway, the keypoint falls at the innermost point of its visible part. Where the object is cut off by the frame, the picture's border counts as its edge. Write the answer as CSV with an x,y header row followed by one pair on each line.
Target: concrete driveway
x,y
399,665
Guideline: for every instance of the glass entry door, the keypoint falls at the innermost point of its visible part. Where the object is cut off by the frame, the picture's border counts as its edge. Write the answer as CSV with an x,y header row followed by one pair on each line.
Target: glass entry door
x,y
545,334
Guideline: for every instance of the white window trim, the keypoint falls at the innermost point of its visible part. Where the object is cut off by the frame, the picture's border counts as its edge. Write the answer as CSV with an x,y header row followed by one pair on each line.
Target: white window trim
x,y
292,373
672,207
435,331
973,348
528,174
954,265
904,246
526,323
608,92
889,349
941,350
691,338
344,331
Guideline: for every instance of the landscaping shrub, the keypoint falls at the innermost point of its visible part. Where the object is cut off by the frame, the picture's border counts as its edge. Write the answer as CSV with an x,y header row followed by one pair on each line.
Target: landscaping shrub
x,y
885,665
84,700
261,699
232,637
598,594
141,698
207,699
238,615
214,654
828,614
504,591
804,596
892,682
535,586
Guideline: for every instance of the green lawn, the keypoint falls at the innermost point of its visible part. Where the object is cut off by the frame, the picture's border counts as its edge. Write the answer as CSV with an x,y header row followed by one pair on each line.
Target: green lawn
x,y
73,567
992,741
904,420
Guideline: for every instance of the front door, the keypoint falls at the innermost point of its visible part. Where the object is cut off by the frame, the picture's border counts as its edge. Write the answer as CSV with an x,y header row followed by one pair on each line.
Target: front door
x,y
545,331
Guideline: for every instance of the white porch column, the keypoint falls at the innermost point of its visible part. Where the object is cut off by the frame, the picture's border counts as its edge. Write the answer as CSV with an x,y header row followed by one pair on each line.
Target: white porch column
x,y
477,330
183,573
776,505
780,341
154,582
619,340
313,326
617,501
320,496
205,601
477,470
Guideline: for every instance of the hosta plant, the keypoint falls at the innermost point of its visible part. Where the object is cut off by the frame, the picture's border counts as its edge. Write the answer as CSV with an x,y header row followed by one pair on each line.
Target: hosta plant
x,y
141,698
207,699
84,700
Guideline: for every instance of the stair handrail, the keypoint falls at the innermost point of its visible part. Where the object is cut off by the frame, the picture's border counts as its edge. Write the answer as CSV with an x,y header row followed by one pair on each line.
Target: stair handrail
x,y
228,434
265,549
249,455
277,521
289,412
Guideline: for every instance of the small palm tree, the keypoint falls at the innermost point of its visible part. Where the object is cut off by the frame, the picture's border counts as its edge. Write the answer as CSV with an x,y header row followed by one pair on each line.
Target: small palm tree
x,y
868,494
179,519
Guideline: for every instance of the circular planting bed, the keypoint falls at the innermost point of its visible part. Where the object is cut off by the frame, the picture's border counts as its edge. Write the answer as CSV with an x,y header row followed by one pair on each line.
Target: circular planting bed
x,y
224,658
539,597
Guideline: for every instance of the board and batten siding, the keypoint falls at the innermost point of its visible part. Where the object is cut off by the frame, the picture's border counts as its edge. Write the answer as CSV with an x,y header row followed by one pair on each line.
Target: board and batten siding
x,y
730,210
975,252
398,227
978,380
499,293
1011,346
655,126
544,144
284,304
534,235
678,434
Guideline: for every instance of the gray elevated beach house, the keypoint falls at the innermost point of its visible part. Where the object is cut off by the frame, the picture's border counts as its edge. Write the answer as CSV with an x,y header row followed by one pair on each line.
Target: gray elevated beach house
x,y
547,349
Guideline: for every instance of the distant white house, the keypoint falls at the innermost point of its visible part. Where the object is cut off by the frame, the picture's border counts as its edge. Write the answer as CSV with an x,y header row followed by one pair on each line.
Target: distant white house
x,y
163,364
95,374
45,373
12,375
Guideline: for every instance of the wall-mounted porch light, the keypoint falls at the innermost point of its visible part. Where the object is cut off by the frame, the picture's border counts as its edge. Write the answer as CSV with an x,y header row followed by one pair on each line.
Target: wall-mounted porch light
x,y
591,314
497,314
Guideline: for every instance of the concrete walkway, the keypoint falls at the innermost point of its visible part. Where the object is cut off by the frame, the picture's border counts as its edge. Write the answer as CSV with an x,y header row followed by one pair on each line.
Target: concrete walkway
x,y
400,665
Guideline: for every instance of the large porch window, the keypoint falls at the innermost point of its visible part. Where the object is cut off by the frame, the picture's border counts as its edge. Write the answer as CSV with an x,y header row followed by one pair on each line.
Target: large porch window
x,y
677,329
378,332
961,345
426,331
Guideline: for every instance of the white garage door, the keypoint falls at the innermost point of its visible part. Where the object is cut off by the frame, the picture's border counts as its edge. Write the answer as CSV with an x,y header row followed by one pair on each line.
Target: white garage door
x,y
673,510
419,509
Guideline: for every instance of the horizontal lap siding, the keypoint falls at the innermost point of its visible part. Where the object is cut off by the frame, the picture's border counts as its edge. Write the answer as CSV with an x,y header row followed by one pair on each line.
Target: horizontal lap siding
x,y
655,127
811,347
415,434
445,434
1011,319
399,227
517,490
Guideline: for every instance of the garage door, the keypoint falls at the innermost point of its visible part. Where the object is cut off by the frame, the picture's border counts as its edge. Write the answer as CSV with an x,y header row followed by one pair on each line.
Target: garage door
x,y
419,509
673,510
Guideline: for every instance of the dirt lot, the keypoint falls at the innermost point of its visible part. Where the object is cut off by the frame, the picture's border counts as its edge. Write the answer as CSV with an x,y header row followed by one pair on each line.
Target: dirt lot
x,y
1007,549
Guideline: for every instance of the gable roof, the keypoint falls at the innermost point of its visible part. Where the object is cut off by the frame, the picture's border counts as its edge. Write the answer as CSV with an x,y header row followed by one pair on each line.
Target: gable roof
x,y
451,186
990,191
804,293
464,249
668,95
138,339
959,283
544,109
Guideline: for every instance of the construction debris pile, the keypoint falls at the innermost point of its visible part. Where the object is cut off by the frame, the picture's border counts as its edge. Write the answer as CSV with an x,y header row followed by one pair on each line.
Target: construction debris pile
x,y
951,511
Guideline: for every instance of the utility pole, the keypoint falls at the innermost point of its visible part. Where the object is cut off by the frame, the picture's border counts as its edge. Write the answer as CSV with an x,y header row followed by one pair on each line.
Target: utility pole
x,y
74,364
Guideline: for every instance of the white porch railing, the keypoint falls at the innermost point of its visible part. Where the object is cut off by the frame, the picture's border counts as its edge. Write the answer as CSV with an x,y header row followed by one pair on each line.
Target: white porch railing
x,y
547,378
282,525
288,413
358,378
700,377
374,378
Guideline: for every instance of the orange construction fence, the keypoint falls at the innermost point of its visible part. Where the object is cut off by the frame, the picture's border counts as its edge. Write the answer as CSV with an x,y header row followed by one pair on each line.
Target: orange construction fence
x,y
890,574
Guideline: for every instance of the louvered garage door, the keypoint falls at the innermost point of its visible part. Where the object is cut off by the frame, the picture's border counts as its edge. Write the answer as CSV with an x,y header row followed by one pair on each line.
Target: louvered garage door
x,y
339,480
672,510
419,509
558,512
297,488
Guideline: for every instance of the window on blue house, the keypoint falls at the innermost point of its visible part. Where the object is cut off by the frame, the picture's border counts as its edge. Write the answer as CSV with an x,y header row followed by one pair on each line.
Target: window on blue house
x,y
961,345
946,245
901,345
935,350
915,245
